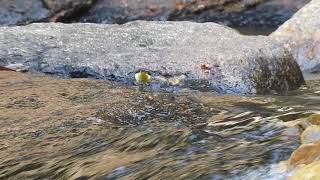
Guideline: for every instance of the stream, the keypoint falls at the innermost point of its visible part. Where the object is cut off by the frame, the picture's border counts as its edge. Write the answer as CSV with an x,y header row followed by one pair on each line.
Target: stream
x,y
184,135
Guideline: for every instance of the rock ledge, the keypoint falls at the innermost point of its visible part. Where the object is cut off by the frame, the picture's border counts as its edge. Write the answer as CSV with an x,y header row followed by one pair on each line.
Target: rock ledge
x,y
178,54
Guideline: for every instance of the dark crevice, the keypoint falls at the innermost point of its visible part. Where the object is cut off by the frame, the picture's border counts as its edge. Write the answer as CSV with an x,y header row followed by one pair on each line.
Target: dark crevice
x,y
68,14
73,15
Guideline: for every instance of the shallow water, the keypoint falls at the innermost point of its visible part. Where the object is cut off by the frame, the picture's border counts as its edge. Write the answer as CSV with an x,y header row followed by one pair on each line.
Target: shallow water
x,y
187,135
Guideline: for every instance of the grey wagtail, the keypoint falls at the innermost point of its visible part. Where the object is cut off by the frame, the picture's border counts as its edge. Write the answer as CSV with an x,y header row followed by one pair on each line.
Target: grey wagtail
x,y
142,76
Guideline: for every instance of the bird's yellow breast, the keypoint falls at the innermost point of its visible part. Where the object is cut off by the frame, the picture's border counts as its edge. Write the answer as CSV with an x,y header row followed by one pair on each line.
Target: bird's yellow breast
x,y
142,77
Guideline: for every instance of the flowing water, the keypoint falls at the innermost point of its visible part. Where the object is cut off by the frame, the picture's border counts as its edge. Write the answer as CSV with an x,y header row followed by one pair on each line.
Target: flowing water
x,y
185,135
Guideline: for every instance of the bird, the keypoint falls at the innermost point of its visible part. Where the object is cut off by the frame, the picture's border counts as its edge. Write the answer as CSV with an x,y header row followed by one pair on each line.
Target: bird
x,y
142,77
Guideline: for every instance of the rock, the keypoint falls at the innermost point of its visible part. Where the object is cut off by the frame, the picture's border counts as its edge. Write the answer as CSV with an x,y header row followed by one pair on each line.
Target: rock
x,y
301,34
314,119
67,10
249,13
13,12
293,131
311,134
94,120
39,133
106,11
116,173
16,12
268,14
18,67
59,5
305,154
292,116
178,50
309,172
230,12
2,68
302,124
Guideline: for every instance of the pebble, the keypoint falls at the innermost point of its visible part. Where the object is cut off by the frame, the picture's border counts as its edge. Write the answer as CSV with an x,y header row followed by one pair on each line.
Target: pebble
x,y
39,133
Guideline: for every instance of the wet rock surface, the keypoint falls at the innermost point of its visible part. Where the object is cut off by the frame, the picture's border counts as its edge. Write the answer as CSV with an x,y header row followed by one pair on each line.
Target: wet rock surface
x,y
305,154
310,171
302,35
177,54
303,161
311,134
314,119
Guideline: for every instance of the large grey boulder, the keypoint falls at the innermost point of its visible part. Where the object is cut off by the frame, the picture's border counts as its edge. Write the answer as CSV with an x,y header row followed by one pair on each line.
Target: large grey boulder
x,y
178,54
301,34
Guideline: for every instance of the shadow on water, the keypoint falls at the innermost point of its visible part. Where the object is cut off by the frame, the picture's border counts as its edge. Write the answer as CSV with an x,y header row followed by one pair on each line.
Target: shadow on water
x,y
163,136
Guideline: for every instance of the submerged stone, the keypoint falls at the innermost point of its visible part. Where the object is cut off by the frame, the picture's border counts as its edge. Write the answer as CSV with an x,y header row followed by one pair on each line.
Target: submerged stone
x,y
311,134
115,173
305,154
202,56
314,119
293,131
309,172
